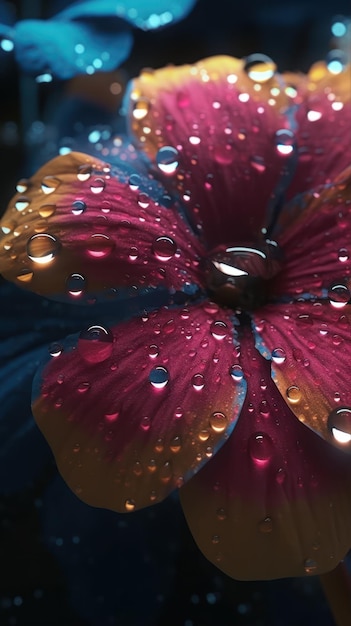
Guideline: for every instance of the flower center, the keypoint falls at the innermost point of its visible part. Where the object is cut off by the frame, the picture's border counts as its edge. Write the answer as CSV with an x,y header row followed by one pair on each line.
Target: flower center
x,y
239,276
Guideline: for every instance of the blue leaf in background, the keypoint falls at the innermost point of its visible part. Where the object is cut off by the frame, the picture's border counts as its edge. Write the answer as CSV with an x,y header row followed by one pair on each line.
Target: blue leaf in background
x,y
86,36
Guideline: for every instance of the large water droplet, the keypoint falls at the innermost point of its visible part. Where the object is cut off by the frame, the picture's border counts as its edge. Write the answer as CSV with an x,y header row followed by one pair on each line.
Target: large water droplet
x,y
129,505
167,159
159,377
42,248
47,210
49,184
164,248
261,448
259,67
339,424
99,246
134,182
236,372
294,394
97,185
84,172
284,141
219,329
278,356
75,284
22,185
95,344
78,207
218,422
198,382
22,203
339,295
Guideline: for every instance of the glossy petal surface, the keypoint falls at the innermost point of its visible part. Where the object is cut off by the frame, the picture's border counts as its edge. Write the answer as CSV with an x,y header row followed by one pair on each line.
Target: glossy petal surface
x,y
310,343
323,120
214,135
274,502
62,49
314,234
80,230
130,420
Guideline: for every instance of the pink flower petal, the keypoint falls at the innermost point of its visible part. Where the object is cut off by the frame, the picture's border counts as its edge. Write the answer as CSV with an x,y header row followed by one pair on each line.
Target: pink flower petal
x,y
215,130
324,127
311,363
275,501
132,413
315,236
81,228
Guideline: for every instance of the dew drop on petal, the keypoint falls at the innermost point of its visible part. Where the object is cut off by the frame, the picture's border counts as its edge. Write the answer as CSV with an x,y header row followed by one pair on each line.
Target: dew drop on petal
x,y
259,67
293,393
129,505
22,185
218,422
198,382
284,141
22,203
47,210
97,185
141,108
339,295
99,246
219,329
236,372
95,343
265,525
164,248
78,207
75,284
167,159
261,448
42,248
339,424
343,255
49,184
55,349
278,356
25,275
84,172
159,377
143,200
310,566
134,182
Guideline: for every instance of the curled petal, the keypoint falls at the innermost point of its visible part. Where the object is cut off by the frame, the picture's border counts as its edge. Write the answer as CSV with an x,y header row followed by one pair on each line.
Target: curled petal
x,y
274,502
133,412
82,230
216,132
324,122
315,236
309,343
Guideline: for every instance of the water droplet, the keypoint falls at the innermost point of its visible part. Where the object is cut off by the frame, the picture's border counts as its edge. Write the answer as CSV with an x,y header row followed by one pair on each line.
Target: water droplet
x,y
175,444
129,505
339,424
42,248
167,159
143,200
278,356
22,185
84,172
141,108
218,422
25,275
221,514
133,253
236,372
99,246
95,344
261,448
47,210
166,472
49,184
215,539
153,351
219,329
22,203
266,525
97,185
336,61
259,67
137,468
310,566
159,377
343,255
75,285
280,476
294,394
198,382
164,248
55,349
78,207
284,141
134,182
258,164
83,387
339,295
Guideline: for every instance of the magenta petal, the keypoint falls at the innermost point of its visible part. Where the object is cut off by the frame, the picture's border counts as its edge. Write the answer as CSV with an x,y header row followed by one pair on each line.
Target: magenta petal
x,y
82,229
133,412
315,236
275,501
223,130
311,361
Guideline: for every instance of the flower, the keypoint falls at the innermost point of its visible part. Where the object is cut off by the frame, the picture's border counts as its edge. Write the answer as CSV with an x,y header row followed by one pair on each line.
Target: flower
x,y
223,243
85,37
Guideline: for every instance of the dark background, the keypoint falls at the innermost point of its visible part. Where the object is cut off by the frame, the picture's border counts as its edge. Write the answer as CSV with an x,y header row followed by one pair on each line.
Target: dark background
x,y
61,562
